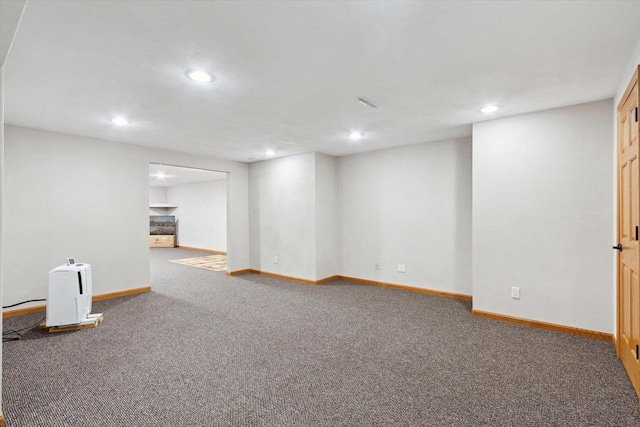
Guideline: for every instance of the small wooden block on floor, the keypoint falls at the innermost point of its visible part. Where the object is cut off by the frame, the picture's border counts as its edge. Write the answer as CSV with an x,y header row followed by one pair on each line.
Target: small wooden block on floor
x,y
85,325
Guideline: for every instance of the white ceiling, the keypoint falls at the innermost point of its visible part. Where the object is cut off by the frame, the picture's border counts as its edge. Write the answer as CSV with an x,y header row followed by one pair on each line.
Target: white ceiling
x,y
177,175
288,73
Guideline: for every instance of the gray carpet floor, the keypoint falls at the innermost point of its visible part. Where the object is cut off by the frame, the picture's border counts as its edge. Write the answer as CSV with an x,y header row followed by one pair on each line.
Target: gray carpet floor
x,y
204,349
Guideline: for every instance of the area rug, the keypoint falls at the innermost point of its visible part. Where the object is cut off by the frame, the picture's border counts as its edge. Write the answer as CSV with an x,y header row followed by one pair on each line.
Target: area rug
x,y
210,262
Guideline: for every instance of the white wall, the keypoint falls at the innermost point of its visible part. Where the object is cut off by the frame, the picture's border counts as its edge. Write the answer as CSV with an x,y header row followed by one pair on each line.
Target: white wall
x,y
411,206
328,225
10,16
282,216
201,214
157,195
65,199
74,196
542,216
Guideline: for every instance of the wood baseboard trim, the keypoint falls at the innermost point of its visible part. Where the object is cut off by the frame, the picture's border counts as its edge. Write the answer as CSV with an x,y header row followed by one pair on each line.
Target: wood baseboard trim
x,y
101,297
544,325
280,276
328,279
1,419
462,297
353,280
241,272
289,278
23,311
211,251
128,292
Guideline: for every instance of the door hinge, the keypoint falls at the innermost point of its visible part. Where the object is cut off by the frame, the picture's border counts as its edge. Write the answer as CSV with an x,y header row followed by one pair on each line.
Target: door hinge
x,y
636,232
636,114
637,351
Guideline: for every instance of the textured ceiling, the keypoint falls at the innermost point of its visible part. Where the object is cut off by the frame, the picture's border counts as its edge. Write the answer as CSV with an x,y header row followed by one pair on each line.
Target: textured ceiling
x,y
288,73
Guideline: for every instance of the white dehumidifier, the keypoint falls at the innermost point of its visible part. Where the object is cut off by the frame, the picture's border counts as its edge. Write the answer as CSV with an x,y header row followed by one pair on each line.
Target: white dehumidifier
x,y
70,294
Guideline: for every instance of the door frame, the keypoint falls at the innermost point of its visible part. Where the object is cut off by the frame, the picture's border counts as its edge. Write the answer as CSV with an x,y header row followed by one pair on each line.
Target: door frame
x,y
633,83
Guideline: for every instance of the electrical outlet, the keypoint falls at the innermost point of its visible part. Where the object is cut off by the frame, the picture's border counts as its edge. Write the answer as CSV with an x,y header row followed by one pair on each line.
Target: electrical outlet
x,y
401,268
275,259
377,266
515,292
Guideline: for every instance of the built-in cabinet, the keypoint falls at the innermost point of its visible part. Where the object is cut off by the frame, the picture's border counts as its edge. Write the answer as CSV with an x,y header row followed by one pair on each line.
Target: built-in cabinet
x,y
162,228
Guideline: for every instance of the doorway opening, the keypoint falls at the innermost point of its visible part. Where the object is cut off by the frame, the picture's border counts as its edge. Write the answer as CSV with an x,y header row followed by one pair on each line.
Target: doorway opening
x,y
188,217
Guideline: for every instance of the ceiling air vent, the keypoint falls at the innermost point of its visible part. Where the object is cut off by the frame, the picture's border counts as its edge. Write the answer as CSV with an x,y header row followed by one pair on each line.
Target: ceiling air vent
x,y
367,102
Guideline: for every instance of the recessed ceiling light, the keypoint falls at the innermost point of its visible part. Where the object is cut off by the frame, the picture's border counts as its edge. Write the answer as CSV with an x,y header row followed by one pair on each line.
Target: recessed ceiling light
x,y
161,175
200,76
356,136
269,152
488,109
120,121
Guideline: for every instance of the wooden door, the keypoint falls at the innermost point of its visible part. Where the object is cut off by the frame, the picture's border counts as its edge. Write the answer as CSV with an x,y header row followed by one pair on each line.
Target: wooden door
x,y
628,338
